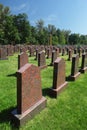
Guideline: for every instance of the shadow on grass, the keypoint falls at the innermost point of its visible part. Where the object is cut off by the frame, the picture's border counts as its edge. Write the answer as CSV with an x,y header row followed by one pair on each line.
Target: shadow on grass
x,y
14,75
67,78
70,78
45,92
5,117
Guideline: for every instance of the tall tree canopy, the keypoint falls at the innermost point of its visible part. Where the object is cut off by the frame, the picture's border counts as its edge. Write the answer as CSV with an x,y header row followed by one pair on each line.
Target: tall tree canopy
x,y
17,29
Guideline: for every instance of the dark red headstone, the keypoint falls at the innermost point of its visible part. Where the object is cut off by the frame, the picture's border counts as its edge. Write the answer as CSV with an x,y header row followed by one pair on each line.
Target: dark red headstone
x,y
70,55
54,57
84,63
49,53
3,53
22,59
29,94
74,68
58,77
41,60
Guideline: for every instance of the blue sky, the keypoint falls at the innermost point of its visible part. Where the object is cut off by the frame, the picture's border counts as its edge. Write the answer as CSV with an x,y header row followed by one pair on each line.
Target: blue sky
x,y
64,14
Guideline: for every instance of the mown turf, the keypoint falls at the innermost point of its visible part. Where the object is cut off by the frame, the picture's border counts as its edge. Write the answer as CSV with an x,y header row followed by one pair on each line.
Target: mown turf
x,y
67,112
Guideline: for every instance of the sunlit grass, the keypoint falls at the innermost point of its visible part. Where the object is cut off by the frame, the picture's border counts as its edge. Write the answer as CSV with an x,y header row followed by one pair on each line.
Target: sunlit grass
x,y
67,112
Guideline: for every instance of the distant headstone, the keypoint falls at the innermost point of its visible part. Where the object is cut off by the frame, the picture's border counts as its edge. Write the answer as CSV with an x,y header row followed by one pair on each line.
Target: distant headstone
x,y
57,51
41,60
84,63
67,50
74,68
3,53
60,49
31,51
54,57
29,94
83,50
69,55
36,56
79,51
10,50
49,53
86,50
63,51
22,59
16,48
58,77
75,51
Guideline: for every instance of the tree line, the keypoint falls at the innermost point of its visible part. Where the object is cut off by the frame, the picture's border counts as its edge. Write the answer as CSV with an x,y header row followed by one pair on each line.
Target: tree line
x,y
16,29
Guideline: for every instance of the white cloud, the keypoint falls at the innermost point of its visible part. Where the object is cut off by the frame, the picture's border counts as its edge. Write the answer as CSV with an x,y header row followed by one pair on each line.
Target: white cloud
x,y
19,8
51,18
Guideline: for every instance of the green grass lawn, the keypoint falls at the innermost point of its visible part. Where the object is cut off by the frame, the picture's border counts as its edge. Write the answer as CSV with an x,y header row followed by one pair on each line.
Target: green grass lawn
x,y
67,112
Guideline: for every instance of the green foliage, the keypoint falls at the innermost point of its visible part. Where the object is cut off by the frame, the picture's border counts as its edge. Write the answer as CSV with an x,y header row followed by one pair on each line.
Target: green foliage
x,y
23,27
51,29
55,40
10,31
4,11
66,34
17,29
74,39
83,39
41,32
40,25
61,38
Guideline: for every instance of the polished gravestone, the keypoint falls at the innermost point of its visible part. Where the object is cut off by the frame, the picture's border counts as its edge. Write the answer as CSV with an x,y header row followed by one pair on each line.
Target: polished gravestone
x,y
69,55
22,59
74,68
84,63
54,57
41,60
59,82
29,94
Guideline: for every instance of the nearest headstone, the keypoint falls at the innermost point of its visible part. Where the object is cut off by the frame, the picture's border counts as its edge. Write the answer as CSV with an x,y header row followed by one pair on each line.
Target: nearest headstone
x,y
58,78
29,94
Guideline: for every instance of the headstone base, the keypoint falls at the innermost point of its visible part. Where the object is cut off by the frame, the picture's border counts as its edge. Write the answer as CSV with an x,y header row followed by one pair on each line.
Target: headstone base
x,y
54,92
73,78
83,70
20,119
